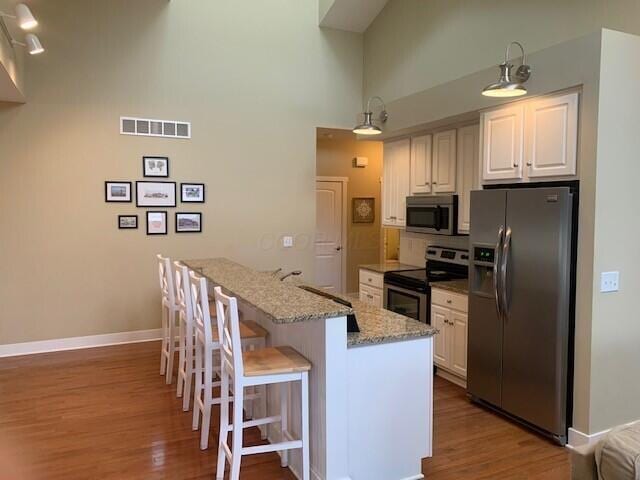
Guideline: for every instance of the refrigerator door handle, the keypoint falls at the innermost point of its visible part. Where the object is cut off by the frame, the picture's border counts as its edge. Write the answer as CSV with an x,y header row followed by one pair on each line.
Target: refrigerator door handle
x,y
506,250
496,262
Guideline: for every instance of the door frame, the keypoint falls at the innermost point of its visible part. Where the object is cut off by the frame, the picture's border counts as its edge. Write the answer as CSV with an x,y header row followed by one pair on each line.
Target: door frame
x,y
343,228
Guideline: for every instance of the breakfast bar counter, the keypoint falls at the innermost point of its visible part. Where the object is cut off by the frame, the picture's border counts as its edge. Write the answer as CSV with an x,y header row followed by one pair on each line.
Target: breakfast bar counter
x,y
370,392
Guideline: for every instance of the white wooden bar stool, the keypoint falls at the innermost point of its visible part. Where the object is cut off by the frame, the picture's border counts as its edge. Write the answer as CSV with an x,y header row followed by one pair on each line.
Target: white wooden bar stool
x,y
207,345
261,367
169,311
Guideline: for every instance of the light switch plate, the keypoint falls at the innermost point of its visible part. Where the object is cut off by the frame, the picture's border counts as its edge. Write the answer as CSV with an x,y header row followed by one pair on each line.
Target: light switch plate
x,y
609,281
287,241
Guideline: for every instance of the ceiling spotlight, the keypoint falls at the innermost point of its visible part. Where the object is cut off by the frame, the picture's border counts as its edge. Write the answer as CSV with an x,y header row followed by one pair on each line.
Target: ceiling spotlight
x,y
32,43
368,127
23,16
510,84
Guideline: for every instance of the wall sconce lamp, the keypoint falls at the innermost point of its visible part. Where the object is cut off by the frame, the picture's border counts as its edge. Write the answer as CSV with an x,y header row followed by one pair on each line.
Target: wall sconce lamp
x,y
24,17
32,44
510,84
368,127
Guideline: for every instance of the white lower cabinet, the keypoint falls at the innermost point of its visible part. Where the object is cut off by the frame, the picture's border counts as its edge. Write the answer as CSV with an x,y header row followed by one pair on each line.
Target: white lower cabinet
x,y
371,287
449,316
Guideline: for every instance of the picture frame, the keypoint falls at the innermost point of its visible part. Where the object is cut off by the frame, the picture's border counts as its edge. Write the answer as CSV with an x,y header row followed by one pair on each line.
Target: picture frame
x,y
192,192
155,194
188,222
127,222
153,166
157,222
117,192
364,210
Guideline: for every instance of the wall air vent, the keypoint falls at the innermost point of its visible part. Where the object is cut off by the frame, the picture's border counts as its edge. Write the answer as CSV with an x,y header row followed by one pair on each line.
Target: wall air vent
x,y
154,128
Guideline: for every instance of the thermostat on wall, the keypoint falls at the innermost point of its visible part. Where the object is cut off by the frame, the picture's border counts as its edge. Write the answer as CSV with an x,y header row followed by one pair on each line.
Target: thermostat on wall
x,y
362,162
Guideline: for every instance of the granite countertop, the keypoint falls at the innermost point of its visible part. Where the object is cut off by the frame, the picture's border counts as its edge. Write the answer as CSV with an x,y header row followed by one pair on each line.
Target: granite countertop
x,y
456,286
389,267
378,325
282,302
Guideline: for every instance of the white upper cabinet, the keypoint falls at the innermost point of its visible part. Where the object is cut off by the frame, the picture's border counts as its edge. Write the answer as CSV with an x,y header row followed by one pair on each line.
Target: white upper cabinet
x,y
444,162
421,164
503,143
531,140
395,182
551,136
468,173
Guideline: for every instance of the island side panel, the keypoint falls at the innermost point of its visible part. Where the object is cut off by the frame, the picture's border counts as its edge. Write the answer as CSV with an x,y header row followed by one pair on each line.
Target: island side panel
x,y
324,343
390,391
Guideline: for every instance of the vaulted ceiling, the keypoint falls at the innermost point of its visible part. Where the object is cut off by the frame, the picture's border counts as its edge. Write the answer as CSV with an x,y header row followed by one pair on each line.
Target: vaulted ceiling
x,y
349,15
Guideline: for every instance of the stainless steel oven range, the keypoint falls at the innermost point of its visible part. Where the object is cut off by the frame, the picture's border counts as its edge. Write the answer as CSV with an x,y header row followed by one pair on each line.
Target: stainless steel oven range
x,y
409,293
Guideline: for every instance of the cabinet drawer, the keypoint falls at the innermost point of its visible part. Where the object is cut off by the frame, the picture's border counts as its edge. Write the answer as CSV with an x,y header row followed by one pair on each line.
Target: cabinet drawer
x,y
447,299
374,279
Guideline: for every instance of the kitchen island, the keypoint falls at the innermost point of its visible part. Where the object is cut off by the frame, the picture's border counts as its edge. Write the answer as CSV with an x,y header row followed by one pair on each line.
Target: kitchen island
x,y
371,392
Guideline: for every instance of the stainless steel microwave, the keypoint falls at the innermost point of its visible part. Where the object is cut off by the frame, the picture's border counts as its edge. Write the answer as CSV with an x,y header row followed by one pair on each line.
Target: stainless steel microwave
x,y
432,214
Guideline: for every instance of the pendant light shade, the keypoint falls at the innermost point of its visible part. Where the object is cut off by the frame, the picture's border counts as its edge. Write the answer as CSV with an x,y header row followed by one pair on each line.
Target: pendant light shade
x,y
33,44
367,127
510,84
25,18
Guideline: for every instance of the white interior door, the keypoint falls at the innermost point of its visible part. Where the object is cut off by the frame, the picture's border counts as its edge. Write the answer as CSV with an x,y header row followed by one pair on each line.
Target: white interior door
x,y
328,243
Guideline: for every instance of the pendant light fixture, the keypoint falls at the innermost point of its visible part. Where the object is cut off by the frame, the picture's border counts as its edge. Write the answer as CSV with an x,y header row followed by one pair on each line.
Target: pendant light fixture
x,y
368,127
510,84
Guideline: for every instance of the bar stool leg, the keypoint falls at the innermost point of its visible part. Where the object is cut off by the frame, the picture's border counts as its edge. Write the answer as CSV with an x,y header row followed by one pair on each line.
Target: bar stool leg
x,y
181,358
163,358
236,452
207,398
284,421
198,388
188,358
264,432
172,345
305,425
224,424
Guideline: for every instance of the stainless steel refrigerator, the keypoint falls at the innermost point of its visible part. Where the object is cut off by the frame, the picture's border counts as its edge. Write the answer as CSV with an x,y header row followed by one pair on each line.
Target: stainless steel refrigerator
x,y
521,304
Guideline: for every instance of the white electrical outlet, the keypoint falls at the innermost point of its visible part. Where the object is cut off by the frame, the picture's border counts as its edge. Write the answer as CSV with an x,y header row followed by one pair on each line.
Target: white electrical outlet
x,y
287,241
609,281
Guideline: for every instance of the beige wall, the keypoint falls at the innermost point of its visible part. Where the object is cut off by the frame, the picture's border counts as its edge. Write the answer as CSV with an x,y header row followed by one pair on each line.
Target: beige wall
x,y
255,78
335,158
414,44
615,352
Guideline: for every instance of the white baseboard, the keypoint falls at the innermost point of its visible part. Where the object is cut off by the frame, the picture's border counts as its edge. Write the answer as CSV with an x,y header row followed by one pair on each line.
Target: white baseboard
x,y
578,438
76,343
450,377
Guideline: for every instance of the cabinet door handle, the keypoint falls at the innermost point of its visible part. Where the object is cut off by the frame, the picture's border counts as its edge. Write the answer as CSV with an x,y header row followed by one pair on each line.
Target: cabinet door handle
x,y
370,296
528,164
449,301
515,165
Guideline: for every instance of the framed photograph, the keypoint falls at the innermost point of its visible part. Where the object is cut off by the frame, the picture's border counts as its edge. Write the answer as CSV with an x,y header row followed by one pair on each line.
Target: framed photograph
x,y
188,222
155,166
155,194
364,210
192,192
117,191
156,223
127,221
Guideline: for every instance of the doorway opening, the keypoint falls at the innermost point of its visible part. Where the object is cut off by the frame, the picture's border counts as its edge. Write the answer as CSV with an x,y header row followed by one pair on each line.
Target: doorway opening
x,y
348,208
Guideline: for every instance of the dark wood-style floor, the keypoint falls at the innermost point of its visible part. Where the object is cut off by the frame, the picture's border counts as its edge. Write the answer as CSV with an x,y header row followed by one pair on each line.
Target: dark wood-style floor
x,y
105,413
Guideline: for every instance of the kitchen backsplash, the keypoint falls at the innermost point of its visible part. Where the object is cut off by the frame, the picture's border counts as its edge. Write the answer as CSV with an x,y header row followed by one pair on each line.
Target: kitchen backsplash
x,y
413,245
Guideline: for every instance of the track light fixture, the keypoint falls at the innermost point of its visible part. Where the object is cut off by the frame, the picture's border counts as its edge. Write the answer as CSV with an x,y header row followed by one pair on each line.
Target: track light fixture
x,y
26,21
23,16
32,44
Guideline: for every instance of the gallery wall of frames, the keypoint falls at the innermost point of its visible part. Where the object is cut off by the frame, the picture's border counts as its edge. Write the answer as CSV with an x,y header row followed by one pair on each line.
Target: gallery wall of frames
x,y
156,195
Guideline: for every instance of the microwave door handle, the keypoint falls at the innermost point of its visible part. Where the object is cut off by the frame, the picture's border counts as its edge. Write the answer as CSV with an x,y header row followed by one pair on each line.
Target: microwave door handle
x,y
506,251
438,218
496,262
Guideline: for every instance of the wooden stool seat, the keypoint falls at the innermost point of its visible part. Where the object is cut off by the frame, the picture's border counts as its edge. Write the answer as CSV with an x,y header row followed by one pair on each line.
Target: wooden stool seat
x,y
274,361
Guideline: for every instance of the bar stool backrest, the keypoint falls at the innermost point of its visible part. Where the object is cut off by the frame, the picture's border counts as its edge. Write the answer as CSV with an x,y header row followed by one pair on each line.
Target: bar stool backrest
x,y
166,280
183,292
229,334
200,300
